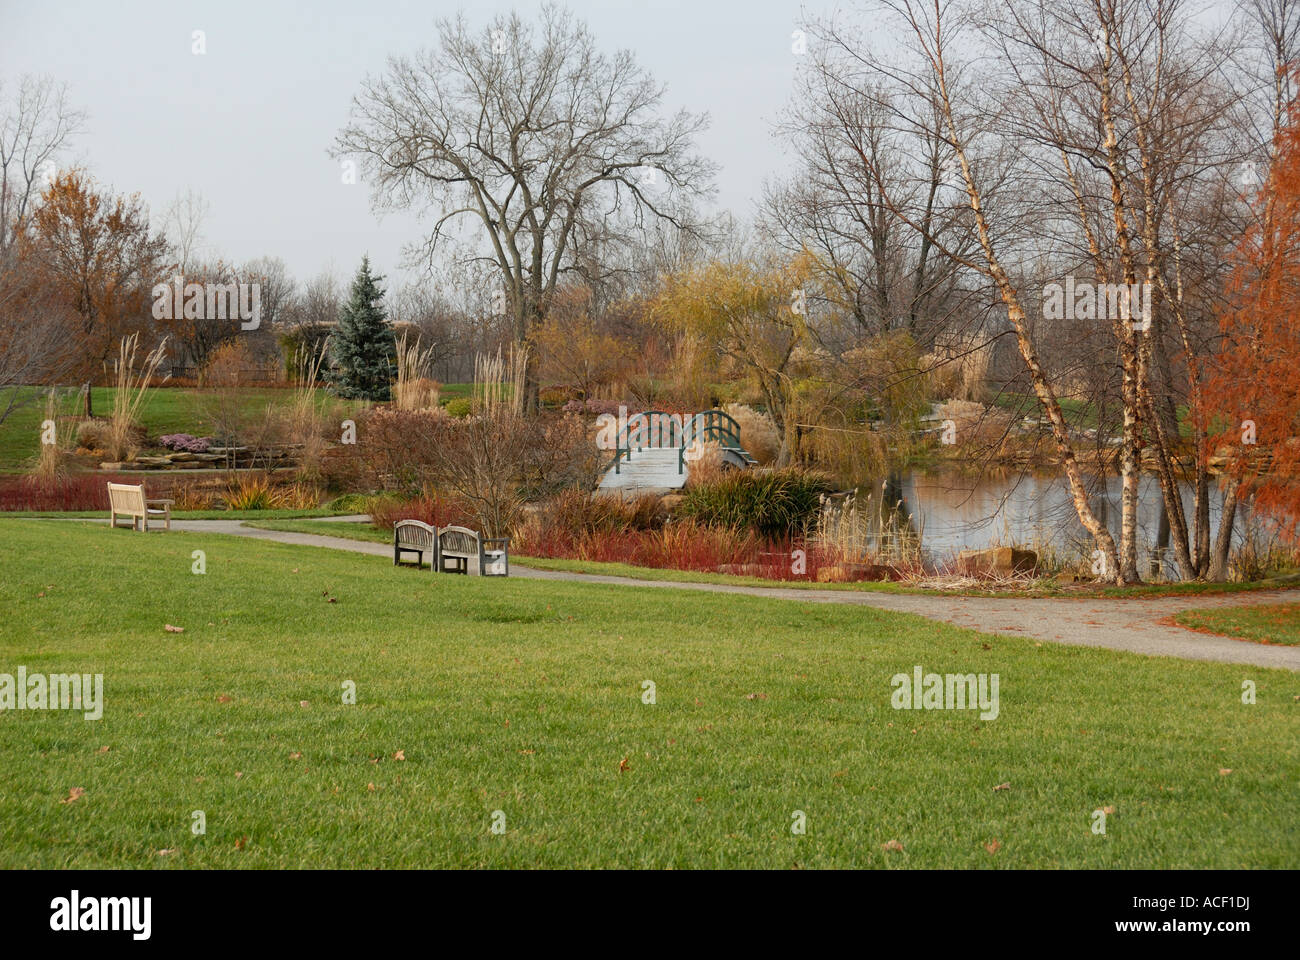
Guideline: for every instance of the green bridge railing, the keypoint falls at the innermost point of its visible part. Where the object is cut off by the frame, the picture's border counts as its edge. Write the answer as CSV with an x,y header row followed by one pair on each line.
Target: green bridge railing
x,y
658,429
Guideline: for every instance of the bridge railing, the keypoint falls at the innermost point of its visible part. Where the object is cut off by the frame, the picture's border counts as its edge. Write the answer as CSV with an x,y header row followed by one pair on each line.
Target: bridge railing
x,y
706,427
658,429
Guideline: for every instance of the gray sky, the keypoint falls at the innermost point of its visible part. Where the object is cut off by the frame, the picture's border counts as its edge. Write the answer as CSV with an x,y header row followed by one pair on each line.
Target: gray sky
x,y
248,125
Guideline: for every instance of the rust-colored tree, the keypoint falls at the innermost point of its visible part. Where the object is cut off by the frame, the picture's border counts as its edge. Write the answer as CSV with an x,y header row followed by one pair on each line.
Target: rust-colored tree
x,y
1253,388
97,250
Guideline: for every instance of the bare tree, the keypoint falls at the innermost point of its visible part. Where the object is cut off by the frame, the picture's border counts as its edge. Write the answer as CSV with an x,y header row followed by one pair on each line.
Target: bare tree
x,y
535,135
36,123
183,226
35,327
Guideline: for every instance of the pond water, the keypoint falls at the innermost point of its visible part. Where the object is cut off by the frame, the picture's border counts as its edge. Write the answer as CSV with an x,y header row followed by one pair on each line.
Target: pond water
x,y
946,511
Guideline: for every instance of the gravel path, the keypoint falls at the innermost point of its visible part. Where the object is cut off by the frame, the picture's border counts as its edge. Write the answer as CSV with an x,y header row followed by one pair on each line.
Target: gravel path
x,y
1137,625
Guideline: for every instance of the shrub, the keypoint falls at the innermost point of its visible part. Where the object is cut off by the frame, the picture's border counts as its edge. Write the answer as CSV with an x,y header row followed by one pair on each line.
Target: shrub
x,y
580,513
553,397
78,491
758,434
249,493
493,460
770,502
459,406
259,492
597,407
433,509
92,434
185,443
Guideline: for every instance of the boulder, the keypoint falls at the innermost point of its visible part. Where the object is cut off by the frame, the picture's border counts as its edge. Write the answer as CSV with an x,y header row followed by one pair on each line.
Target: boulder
x,y
1002,561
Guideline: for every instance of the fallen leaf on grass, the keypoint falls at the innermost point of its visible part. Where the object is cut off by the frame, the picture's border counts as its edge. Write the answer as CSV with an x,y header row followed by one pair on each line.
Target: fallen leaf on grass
x,y
1224,771
993,846
400,755
295,756
756,696
533,751
241,843
239,774
370,786
102,750
891,845
303,703
223,698
172,628
1108,810
1002,786
73,794
623,765
165,853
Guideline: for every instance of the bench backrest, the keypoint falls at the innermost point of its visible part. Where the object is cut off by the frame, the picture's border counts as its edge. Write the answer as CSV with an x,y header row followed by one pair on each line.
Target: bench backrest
x,y
458,540
126,498
414,533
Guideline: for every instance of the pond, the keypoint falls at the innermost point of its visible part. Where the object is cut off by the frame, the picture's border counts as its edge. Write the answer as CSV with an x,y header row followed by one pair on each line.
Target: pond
x,y
942,512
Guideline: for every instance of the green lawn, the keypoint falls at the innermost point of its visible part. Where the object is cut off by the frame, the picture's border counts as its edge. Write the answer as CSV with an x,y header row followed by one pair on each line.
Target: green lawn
x,y
1272,623
526,696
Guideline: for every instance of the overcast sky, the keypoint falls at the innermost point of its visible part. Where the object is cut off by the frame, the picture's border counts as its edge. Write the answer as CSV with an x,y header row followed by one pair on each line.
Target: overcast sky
x,y
249,124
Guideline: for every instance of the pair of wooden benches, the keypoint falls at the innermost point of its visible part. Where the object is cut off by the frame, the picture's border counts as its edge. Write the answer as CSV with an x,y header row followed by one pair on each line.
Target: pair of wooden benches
x,y
450,549
127,501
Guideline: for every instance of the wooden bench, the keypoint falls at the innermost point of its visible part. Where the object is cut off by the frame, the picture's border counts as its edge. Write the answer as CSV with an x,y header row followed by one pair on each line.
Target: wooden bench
x,y
457,546
128,501
417,537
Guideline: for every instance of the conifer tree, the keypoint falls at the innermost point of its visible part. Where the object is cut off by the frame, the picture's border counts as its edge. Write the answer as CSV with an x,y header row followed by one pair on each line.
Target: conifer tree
x,y
362,348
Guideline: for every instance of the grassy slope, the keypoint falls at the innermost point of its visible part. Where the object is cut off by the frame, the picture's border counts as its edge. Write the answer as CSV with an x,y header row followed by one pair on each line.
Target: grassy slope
x,y
1274,623
523,696
165,410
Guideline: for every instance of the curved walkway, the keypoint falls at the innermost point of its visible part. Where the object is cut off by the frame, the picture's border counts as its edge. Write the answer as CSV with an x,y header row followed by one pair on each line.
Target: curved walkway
x,y
1137,625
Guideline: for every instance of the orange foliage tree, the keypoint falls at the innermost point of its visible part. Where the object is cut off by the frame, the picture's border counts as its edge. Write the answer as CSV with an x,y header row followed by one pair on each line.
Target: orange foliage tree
x,y
98,253
573,349
1253,387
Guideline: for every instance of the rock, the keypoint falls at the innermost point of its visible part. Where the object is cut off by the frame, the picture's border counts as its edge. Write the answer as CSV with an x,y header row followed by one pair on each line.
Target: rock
x,y
998,560
869,571
111,466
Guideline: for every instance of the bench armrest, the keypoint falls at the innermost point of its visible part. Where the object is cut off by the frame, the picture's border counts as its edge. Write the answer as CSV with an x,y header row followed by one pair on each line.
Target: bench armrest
x,y
504,541
168,502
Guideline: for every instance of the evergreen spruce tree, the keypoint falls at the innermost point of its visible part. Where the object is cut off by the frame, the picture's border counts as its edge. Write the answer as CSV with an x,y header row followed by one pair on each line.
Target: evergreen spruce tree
x,y
362,348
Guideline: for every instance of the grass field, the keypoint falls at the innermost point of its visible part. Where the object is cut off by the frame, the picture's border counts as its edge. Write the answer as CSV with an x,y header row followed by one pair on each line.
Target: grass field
x,y
1274,623
525,697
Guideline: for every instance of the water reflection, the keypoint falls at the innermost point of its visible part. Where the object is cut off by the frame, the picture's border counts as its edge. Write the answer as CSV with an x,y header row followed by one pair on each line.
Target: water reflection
x,y
940,513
